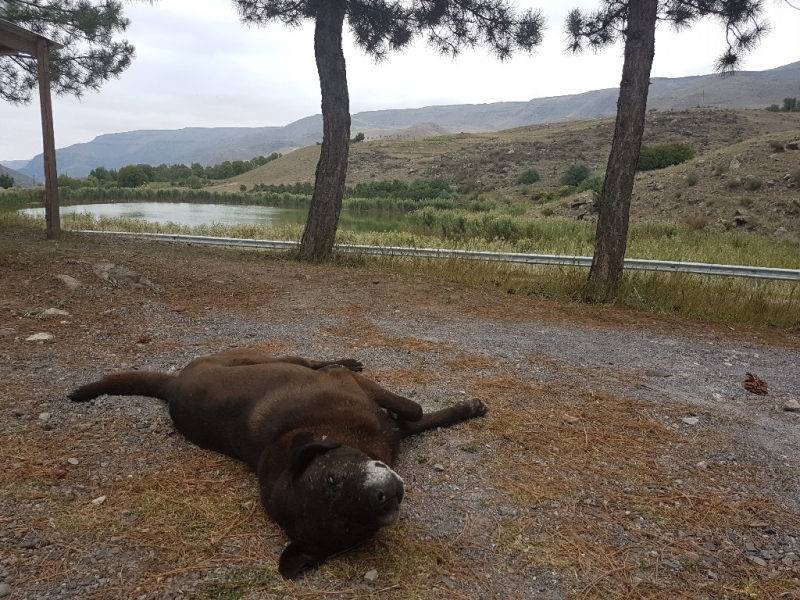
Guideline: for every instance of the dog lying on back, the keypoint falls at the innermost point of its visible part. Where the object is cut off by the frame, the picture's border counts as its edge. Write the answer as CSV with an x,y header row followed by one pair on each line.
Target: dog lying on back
x,y
321,438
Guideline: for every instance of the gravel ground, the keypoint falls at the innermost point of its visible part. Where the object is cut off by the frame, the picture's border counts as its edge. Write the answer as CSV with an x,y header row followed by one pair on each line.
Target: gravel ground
x,y
609,433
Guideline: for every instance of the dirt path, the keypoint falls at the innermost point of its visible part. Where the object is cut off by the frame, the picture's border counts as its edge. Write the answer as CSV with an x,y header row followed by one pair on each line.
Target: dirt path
x,y
622,456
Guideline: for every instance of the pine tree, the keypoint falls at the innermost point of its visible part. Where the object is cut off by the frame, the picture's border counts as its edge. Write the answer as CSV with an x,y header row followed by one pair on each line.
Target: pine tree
x,y
635,22
91,55
379,27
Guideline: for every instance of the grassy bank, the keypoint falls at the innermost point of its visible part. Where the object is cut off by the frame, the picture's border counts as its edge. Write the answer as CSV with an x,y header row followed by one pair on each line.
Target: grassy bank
x,y
758,303
504,233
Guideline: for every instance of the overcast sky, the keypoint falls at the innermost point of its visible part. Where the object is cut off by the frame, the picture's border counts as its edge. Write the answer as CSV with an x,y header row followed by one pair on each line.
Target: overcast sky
x,y
197,66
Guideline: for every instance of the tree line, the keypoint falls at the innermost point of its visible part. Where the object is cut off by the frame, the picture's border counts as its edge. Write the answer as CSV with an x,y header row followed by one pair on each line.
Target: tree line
x,y
193,176
789,105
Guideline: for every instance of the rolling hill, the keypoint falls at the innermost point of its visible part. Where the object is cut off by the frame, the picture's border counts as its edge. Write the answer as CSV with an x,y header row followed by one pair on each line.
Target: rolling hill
x,y
747,89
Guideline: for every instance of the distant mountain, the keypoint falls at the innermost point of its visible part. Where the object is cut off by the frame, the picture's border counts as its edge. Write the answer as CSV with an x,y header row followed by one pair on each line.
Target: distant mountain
x,y
14,164
20,180
207,146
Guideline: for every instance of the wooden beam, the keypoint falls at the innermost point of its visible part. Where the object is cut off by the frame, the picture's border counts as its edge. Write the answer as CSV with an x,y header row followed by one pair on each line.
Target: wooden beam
x,y
19,42
51,211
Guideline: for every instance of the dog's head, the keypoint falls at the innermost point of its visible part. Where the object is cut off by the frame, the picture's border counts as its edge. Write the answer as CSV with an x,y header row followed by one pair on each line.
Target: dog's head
x,y
331,498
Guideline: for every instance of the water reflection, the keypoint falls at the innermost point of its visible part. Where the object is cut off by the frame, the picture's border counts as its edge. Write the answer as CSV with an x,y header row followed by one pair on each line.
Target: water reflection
x,y
191,214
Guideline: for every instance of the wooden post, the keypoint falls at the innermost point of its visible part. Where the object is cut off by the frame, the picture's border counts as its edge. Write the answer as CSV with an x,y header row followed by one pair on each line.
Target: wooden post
x,y
51,211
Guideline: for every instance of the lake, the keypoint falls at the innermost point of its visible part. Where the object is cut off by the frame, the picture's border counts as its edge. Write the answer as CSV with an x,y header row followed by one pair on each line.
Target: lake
x,y
185,213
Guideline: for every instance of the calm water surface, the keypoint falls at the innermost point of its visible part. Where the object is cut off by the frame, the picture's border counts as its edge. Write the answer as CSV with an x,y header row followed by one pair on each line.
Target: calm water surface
x,y
185,213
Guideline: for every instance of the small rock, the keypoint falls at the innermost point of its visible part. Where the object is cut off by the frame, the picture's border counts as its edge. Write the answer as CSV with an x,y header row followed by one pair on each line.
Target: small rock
x,y
99,500
792,406
758,560
5,590
70,282
371,575
45,416
4,331
702,465
569,419
438,468
55,312
691,420
73,461
40,337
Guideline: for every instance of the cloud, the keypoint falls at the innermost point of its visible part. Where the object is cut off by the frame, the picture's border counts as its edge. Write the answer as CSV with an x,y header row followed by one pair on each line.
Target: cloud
x,y
198,66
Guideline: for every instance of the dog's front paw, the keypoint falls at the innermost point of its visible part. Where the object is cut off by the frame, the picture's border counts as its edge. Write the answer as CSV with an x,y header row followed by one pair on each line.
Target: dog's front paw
x,y
477,408
350,363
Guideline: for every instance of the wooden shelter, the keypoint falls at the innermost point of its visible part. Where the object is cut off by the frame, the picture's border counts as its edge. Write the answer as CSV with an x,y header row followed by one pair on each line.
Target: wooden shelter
x,y
15,40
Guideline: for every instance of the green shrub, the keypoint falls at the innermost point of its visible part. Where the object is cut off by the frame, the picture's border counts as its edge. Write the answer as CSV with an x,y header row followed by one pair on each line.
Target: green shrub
x,y
594,183
660,156
528,177
773,108
6,181
575,174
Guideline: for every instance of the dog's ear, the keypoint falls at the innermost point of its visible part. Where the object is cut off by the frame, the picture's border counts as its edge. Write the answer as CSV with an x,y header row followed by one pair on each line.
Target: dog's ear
x,y
294,558
305,449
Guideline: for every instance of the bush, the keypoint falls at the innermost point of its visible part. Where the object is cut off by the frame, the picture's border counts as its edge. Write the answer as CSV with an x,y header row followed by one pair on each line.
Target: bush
x,y
6,181
359,138
575,175
528,177
734,183
773,108
692,178
663,155
776,145
751,184
594,183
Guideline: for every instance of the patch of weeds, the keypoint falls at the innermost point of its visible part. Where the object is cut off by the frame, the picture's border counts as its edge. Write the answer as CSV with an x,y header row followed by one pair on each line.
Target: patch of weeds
x,y
547,211
692,178
471,448
745,201
422,459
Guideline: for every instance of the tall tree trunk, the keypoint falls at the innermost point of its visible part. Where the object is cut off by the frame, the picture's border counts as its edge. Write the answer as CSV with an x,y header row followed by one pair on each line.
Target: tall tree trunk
x,y
605,275
326,203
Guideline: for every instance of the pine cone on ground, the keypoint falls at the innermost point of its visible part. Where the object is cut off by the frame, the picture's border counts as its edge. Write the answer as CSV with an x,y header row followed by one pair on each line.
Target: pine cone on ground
x,y
755,385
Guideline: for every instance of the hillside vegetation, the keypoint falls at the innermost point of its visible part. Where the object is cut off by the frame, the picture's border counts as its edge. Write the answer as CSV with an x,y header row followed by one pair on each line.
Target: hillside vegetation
x,y
744,172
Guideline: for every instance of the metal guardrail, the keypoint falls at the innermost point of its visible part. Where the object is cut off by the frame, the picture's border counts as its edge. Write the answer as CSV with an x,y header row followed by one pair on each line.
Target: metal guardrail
x,y
530,259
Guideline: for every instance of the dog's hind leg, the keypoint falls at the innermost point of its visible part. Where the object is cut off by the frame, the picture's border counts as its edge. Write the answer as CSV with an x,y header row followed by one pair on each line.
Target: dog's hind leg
x,y
462,411
404,408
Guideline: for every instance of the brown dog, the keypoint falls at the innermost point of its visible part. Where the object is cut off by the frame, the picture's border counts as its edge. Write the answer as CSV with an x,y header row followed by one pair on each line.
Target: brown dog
x,y
321,438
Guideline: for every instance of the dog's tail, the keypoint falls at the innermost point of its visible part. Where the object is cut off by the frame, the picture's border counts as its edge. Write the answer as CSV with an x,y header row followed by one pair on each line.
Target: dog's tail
x,y
126,383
